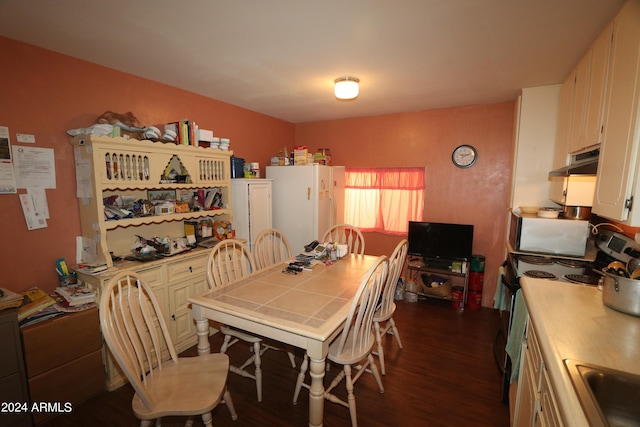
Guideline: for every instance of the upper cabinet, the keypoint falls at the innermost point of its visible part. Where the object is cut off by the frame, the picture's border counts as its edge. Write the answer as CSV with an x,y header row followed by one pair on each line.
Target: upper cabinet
x,y
616,188
563,129
580,117
600,52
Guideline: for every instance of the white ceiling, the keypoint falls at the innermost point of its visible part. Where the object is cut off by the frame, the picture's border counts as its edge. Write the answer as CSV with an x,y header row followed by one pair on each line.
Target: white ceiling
x,y
280,57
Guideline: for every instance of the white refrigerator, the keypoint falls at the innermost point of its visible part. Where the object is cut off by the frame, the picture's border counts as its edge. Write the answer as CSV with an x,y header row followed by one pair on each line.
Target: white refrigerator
x,y
307,201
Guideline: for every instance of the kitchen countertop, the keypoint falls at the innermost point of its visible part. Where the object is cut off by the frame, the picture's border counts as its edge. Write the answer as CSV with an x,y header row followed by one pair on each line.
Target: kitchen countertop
x,y
572,322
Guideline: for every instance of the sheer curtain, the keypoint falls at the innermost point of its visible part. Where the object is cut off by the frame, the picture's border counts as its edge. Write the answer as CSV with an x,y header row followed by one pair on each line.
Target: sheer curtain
x,y
384,200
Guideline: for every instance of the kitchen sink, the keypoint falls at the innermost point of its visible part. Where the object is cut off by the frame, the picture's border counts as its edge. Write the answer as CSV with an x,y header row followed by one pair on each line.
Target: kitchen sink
x,y
608,397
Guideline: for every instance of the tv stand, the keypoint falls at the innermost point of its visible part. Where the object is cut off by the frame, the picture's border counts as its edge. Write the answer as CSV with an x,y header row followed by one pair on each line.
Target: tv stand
x,y
441,264
441,267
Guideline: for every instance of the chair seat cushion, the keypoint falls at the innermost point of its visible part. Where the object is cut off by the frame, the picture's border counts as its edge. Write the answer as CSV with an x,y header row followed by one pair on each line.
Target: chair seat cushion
x,y
192,386
349,355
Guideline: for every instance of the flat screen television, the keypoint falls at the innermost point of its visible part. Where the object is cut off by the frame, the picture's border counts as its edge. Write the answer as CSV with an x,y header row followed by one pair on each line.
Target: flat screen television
x,y
440,241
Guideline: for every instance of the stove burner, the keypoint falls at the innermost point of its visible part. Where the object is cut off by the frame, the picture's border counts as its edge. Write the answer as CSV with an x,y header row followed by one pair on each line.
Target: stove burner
x,y
534,259
573,263
539,274
583,279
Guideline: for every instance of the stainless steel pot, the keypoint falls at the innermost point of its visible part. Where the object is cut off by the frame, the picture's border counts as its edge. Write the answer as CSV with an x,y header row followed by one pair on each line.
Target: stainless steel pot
x,y
576,212
621,294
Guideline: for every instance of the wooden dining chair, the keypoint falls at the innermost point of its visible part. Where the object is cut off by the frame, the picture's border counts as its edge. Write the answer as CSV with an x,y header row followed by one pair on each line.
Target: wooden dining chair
x,y
271,246
355,342
387,305
136,333
230,260
346,234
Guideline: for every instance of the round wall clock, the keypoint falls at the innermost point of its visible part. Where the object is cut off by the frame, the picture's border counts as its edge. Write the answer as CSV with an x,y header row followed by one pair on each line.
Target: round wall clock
x,y
464,156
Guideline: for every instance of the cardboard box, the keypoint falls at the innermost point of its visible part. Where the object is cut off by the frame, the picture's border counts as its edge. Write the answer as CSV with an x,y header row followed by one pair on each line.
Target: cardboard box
x,y
300,155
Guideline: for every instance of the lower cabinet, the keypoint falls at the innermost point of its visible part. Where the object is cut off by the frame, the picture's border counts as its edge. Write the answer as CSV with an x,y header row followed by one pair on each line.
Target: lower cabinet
x,y
72,373
174,280
536,403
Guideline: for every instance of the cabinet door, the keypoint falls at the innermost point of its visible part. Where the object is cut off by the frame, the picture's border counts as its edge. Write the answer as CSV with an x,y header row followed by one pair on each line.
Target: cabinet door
x,y
594,106
619,149
259,209
563,130
182,323
526,403
186,278
558,189
581,93
549,414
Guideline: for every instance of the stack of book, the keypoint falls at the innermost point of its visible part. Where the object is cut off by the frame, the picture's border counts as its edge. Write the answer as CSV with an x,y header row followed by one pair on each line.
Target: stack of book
x,y
76,295
9,299
34,301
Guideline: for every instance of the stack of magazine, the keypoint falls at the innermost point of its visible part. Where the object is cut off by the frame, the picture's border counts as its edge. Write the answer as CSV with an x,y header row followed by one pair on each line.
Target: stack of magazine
x,y
36,306
9,299
76,296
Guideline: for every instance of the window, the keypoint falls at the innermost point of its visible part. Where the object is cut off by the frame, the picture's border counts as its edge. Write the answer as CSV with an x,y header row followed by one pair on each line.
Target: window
x,y
384,200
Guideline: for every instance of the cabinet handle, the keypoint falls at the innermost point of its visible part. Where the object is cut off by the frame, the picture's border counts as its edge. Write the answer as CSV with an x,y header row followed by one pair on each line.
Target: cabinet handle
x,y
173,317
190,269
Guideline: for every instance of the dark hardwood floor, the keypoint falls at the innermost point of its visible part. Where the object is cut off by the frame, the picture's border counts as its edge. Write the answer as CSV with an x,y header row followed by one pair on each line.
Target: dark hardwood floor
x,y
445,376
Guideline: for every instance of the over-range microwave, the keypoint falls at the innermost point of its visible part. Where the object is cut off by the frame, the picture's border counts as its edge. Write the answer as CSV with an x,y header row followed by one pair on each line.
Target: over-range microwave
x,y
553,236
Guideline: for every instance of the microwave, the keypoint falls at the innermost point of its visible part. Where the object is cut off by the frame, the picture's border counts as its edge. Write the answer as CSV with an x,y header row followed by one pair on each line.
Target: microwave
x,y
551,236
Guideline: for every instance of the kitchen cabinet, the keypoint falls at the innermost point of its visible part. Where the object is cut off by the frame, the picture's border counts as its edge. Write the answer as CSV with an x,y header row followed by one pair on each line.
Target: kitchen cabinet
x,y
581,112
589,94
580,95
13,377
536,403
593,111
563,129
616,187
573,190
252,208
186,279
173,280
535,133
74,371
108,168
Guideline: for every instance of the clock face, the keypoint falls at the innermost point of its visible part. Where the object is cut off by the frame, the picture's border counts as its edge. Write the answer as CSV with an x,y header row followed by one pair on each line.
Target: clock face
x,y
464,156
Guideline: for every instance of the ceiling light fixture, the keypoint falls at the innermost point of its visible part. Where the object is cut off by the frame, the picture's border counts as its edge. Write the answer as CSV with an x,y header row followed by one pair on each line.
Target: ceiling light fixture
x,y
347,87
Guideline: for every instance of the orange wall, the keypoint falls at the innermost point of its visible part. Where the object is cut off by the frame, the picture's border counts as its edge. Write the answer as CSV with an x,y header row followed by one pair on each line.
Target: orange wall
x,y
478,195
45,94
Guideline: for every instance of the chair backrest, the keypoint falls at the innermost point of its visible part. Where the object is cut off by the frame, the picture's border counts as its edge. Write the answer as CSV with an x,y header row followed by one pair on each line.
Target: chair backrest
x,y
135,330
271,246
396,264
345,233
228,261
356,333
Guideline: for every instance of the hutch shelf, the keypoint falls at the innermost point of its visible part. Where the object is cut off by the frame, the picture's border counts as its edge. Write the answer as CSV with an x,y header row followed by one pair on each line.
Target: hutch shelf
x,y
109,168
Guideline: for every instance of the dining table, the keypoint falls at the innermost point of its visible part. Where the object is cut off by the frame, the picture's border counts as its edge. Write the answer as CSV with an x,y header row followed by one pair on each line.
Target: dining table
x,y
305,309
